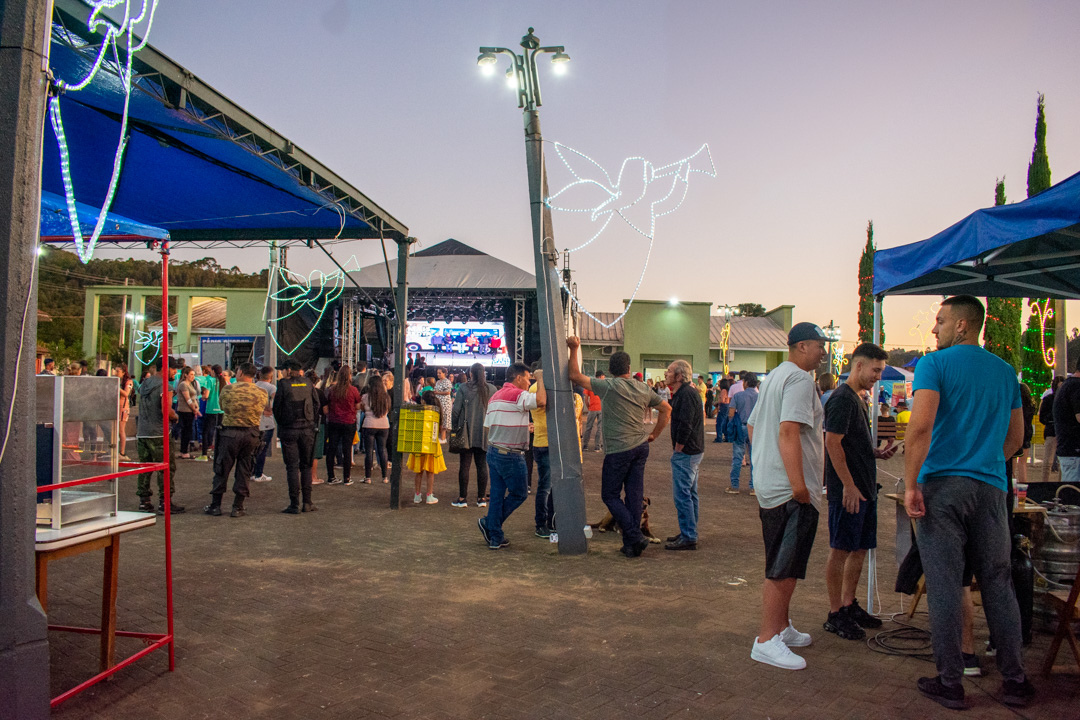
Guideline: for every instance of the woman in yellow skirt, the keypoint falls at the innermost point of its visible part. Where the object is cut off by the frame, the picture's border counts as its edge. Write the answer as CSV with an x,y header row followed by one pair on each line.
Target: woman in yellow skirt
x,y
427,465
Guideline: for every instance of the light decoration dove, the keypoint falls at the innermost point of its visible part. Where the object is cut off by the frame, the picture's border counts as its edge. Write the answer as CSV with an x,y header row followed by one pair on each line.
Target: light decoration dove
x,y
1044,312
838,359
924,318
316,291
110,45
661,190
145,341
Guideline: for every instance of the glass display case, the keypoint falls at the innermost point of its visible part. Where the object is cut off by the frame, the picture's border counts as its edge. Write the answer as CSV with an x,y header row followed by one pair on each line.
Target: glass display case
x,y
77,427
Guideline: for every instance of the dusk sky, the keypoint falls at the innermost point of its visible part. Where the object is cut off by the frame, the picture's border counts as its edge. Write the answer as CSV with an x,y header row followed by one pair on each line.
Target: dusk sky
x,y
819,115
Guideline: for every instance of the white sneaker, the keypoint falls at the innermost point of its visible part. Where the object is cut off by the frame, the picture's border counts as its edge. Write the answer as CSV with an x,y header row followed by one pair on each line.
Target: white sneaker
x,y
431,500
418,498
261,479
793,638
774,652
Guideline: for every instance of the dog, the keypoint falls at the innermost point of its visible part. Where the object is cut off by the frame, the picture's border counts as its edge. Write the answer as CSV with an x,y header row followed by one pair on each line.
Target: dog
x,y
609,524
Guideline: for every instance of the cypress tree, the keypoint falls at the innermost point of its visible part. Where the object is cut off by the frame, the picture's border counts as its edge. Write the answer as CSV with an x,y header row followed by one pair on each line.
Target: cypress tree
x,y
1035,371
1001,333
866,290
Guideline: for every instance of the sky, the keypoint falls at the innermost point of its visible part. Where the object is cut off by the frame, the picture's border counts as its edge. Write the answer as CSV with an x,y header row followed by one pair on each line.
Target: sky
x,y
819,116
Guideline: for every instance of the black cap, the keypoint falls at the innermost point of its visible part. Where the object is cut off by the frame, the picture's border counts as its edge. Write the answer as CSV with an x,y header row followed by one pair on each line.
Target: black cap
x,y
290,365
805,331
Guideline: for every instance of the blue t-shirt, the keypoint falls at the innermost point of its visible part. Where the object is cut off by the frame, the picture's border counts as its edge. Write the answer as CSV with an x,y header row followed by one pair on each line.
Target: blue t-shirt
x,y
978,392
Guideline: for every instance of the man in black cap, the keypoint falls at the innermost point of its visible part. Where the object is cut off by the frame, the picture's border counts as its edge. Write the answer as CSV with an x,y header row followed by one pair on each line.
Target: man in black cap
x,y
296,410
788,447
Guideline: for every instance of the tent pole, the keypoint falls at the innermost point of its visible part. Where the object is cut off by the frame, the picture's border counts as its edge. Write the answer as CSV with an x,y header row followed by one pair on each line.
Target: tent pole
x,y
402,303
1061,340
871,567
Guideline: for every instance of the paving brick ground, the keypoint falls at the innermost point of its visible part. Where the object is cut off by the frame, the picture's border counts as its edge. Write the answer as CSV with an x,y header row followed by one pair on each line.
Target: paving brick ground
x,y
357,611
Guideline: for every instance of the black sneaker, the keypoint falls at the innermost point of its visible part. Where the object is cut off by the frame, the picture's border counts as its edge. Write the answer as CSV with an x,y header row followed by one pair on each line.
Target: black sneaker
x,y
347,481
635,550
292,510
173,509
483,530
499,546
950,697
675,538
1017,694
146,506
843,625
214,510
682,544
237,512
972,668
543,533
863,618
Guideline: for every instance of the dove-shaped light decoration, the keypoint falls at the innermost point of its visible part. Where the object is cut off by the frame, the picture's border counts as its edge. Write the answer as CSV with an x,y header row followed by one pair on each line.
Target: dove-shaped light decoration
x,y
838,359
146,341
315,291
658,191
98,23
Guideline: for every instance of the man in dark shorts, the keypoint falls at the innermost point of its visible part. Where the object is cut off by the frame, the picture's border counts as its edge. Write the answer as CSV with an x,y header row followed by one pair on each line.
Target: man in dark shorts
x,y
851,483
787,443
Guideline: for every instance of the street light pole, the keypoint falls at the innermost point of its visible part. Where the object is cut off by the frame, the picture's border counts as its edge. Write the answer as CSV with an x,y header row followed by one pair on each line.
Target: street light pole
x,y
564,446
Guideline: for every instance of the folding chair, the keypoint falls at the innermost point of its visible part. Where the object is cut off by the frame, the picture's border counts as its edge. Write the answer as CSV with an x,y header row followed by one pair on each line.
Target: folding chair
x,y
1065,604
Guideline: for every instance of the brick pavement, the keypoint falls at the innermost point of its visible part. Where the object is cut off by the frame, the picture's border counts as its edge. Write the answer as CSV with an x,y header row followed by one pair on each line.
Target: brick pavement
x,y
357,611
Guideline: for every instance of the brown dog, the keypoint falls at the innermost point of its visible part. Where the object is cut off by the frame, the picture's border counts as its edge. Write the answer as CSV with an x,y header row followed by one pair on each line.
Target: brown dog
x,y
609,524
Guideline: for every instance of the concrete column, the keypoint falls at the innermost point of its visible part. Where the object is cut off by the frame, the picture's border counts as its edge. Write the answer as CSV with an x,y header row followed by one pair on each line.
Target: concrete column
x,y
24,645
183,323
91,318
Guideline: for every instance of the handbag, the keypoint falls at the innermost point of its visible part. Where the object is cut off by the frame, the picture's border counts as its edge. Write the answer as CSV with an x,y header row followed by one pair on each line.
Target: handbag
x,y
459,432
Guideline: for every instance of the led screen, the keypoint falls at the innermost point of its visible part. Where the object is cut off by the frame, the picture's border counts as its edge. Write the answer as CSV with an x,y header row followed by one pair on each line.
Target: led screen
x,y
458,343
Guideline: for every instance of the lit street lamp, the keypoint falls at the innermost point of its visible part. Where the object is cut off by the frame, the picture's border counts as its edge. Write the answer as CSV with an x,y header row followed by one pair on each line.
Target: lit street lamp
x,y
566,482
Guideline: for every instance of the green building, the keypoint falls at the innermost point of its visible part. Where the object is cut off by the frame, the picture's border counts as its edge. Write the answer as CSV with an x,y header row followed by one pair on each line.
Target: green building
x,y
657,332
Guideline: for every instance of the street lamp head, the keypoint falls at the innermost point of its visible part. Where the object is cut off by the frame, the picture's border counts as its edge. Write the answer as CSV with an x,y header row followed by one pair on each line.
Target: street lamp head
x,y
511,79
673,301
560,58
487,58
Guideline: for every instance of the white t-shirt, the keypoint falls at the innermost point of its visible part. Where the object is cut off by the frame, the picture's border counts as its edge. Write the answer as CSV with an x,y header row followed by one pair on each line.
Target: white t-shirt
x,y
266,422
787,395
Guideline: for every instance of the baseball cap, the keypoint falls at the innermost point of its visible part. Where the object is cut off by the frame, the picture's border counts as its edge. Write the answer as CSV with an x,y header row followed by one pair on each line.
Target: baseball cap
x,y
805,331
639,376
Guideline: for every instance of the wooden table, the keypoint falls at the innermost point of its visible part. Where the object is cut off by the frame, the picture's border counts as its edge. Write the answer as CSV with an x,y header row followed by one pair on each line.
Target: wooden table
x,y
920,590
77,538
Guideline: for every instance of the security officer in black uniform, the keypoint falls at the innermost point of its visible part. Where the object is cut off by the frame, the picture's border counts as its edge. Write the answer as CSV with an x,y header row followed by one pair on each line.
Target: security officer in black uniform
x,y
296,409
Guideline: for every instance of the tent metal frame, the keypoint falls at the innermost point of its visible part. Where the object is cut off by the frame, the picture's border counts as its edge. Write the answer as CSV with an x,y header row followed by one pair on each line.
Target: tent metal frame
x,y
179,89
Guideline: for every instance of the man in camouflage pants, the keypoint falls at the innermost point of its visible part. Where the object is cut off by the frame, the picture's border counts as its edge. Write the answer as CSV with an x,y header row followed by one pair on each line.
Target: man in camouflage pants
x,y
239,439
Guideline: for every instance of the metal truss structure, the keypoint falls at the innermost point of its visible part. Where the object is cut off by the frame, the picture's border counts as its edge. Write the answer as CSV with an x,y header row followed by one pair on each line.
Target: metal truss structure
x,y
519,328
178,89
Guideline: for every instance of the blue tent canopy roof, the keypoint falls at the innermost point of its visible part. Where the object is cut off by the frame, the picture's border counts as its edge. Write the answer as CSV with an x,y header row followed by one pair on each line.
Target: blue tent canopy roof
x,y
1029,249
56,225
196,165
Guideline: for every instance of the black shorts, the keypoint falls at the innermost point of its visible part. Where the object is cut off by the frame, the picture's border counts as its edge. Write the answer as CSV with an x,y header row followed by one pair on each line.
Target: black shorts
x,y
851,532
788,531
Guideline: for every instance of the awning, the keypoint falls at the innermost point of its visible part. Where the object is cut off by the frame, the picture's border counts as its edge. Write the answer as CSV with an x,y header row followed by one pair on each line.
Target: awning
x,y
1028,249
196,164
56,223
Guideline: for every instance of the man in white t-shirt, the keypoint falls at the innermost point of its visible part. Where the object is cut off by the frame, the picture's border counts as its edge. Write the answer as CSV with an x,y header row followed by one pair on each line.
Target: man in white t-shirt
x,y
788,447
266,424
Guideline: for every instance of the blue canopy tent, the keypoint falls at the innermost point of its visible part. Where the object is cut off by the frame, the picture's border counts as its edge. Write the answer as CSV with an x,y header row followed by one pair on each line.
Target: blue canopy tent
x,y
56,223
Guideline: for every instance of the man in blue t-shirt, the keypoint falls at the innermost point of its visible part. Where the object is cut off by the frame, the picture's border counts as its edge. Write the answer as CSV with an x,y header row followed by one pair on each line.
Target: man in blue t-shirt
x,y
965,421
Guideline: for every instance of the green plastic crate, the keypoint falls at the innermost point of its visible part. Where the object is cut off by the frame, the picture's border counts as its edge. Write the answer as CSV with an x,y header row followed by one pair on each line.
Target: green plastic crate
x,y
418,429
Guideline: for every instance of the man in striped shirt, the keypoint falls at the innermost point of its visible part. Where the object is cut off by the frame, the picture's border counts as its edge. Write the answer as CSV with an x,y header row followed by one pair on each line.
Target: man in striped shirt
x,y
507,423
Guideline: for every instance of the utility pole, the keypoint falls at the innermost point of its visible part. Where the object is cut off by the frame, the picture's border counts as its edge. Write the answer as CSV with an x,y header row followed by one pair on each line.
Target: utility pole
x,y
566,481
402,297
25,30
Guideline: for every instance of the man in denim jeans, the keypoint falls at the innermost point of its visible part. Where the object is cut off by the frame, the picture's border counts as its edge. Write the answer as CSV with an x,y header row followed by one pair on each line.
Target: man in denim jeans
x,y
507,423
742,404
688,446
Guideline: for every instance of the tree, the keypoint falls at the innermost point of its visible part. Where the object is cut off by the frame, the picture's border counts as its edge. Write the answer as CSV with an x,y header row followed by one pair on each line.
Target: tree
x,y
1038,334
1001,333
751,309
866,290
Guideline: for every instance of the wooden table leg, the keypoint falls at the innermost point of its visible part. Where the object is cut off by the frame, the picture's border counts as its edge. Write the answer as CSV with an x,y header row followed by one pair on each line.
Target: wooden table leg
x,y
41,579
108,603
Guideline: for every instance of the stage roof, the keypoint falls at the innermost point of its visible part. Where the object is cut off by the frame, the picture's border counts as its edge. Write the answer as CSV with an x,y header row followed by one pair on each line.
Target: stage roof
x,y
451,265
196,165
747,333
1030,249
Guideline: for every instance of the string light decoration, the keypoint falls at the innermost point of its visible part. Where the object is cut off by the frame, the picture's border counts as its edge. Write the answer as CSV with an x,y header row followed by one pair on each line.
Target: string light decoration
x,y
317,290
923,318
838,359
663,188
1044,312
98,23
146,340
725,336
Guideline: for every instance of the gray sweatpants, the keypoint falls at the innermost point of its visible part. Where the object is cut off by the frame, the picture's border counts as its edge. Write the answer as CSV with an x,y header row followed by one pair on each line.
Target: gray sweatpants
x,y
967,517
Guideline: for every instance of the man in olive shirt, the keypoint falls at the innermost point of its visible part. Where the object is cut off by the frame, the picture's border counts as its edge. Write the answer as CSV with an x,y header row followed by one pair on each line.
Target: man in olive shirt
x,y
626,442
242,403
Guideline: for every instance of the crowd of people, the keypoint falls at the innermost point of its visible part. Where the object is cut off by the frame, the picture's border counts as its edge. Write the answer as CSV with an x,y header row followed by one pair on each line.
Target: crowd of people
x,y
808,446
